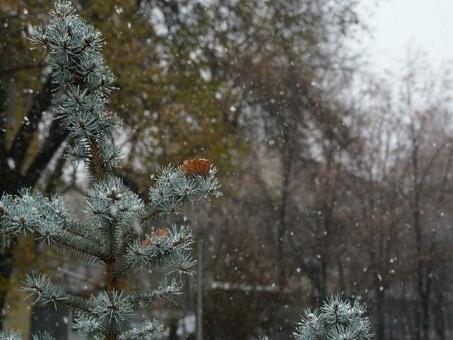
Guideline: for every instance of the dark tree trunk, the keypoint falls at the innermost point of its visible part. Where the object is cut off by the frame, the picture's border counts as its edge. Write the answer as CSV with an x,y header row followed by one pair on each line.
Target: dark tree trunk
x,y
439,314
380,301
6,257
287,159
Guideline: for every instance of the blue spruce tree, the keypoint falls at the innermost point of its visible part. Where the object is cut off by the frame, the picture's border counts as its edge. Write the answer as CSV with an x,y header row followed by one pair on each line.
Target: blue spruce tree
x,y
335,320
116,217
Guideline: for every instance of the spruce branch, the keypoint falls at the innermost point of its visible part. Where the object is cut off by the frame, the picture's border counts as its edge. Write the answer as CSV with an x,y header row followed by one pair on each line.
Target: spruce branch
x,y
110,201
146,331
159,250
180,262
165,291
47,217
88,326
14,335
173,187
45,292
10,335
42,336
82,231
112,307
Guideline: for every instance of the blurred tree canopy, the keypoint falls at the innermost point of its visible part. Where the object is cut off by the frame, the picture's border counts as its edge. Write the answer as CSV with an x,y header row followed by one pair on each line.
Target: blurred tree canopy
x,y
191,67
222,79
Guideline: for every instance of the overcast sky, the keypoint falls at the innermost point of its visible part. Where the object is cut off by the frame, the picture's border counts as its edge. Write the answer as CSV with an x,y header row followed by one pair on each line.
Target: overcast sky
x,y
422,24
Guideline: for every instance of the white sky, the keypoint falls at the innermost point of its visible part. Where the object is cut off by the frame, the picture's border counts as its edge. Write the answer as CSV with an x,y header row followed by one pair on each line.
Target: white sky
x,y
396,25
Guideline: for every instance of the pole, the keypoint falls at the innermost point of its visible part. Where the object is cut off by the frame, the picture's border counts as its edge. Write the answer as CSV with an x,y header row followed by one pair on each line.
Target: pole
x,y
200,288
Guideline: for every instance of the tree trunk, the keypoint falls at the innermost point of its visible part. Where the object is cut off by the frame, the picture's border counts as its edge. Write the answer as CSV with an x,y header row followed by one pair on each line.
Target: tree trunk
x,y
286,165
380,301
439,314
6,257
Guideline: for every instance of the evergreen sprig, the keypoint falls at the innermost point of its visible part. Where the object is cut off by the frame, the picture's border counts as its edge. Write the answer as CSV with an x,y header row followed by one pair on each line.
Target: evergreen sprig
x,y
173,188
165,291
43,336
146,331
10,335
13,335
116,217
